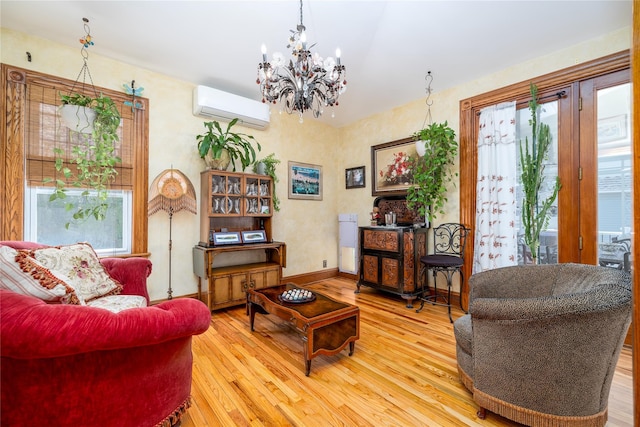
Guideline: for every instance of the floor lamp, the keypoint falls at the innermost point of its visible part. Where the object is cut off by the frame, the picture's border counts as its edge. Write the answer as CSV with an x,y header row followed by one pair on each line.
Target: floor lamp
x,y
171,191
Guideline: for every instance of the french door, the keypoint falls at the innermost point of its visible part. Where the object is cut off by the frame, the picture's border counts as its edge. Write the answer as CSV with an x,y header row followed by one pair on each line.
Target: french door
x,y
589,116
605,159
590,222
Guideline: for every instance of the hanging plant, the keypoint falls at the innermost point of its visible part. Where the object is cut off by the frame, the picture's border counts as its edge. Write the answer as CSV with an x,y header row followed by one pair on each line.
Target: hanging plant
x,y
535,213
270,163
94,157
433,171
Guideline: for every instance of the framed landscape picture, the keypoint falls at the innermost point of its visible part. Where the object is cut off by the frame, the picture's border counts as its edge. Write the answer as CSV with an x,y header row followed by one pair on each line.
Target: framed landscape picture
x,y
254,236
305,181
226,238
354,177
391,167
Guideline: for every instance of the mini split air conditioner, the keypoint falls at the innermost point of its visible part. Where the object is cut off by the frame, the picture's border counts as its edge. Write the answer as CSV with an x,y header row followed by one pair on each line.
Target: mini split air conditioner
x,y
218,105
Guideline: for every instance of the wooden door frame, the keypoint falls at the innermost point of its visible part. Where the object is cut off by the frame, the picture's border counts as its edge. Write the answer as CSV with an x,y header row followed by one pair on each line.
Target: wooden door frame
x,y
635,80
469,110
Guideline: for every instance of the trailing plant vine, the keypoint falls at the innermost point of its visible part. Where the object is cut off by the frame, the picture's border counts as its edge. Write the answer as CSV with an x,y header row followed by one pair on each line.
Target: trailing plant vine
x,y
270,162
535,213
94,157
433,171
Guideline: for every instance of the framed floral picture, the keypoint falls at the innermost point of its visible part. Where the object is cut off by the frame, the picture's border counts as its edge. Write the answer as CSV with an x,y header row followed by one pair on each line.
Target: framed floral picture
x,y
391,167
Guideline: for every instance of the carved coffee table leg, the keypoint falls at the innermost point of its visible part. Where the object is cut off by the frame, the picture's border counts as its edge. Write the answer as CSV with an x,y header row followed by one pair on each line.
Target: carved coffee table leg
x,y
307,367
352,347
252,314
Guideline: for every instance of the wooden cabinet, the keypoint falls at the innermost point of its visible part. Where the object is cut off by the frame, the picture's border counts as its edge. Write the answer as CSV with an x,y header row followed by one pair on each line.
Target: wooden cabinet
x,y
228,285
390,259
235,202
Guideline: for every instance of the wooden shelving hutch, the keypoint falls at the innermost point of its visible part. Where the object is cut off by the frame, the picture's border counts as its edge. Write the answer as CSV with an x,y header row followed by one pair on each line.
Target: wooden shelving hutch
x,y
235,202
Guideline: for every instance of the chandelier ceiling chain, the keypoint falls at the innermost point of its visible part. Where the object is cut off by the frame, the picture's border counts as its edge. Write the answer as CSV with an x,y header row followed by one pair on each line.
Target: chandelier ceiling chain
x,y
428,78
86,42
306,82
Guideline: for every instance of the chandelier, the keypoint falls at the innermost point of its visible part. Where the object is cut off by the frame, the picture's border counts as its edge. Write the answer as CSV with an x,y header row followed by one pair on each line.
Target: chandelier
x,y
306,82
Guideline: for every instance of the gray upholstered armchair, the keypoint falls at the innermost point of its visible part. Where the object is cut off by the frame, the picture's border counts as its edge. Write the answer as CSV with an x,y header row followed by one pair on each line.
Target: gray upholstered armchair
x,y
541,342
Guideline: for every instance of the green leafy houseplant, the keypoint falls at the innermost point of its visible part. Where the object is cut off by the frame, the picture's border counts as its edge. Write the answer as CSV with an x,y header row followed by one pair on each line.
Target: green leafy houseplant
x,y
94,157
214,141
270,163
535,213
433,171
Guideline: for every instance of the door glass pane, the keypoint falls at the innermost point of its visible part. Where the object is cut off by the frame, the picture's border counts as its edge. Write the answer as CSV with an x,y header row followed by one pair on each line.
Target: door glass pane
x,y
614,177
549,236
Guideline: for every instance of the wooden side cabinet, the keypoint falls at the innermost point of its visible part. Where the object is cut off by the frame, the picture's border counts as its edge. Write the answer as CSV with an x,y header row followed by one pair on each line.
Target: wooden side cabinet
x,y
390,259
227,286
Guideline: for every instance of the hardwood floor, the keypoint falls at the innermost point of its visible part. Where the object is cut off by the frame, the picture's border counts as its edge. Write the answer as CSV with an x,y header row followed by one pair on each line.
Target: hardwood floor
x,y
402,373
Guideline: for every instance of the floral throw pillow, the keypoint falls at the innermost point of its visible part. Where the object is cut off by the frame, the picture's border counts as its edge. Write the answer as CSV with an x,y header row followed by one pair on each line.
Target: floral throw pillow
x,y
79,266
21,276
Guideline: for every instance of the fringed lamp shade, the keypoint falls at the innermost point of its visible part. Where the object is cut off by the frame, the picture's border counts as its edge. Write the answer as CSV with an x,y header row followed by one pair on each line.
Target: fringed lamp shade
x,y
171,191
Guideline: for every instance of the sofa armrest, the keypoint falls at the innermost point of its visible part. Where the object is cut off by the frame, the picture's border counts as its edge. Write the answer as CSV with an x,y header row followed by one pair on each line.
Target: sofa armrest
x,y
32,329
132,274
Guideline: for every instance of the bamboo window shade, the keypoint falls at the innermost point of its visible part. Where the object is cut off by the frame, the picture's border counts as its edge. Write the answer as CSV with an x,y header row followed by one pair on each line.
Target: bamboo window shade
x,y
44,132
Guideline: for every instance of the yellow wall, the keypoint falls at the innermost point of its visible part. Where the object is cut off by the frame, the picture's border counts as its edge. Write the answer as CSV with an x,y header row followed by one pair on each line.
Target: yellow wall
x,y
308,227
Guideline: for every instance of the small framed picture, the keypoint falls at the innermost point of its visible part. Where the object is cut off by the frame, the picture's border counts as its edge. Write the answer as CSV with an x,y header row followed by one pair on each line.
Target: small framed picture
x,y
305,181
254,236
227,238
354,177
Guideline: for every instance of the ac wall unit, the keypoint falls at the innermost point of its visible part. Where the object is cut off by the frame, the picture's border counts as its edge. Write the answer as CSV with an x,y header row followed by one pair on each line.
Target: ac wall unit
x,y
218,105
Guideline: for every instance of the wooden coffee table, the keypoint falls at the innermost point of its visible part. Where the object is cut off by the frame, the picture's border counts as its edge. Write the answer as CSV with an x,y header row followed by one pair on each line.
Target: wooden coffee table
x,y
326,325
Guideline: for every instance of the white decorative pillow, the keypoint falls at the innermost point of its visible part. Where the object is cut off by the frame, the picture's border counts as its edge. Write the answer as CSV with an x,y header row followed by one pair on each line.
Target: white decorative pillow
x,y
79,266
117,303
32,279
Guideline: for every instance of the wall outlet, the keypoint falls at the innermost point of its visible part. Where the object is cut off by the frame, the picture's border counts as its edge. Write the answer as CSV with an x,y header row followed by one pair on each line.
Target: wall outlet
x,y
324,263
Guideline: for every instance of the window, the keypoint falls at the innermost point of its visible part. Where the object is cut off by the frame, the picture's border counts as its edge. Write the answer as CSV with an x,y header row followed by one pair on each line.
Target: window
x,y
44,222
29,159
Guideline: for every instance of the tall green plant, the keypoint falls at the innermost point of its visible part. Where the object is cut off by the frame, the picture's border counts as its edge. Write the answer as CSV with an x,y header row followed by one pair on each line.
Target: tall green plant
x,y
433,171
94,159
535,213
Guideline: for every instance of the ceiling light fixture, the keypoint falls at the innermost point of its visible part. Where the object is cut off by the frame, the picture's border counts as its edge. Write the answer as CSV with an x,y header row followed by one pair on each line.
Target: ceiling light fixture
x,y
306,82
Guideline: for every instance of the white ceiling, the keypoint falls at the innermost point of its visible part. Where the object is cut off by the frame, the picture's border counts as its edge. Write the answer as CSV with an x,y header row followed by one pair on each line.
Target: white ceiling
x,y
387,46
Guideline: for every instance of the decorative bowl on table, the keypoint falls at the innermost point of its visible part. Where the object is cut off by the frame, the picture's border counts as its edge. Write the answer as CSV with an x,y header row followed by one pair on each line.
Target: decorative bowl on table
x,y
296,296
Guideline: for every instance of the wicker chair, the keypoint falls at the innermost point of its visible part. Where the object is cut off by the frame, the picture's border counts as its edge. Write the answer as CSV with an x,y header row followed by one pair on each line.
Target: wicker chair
x,y
541,342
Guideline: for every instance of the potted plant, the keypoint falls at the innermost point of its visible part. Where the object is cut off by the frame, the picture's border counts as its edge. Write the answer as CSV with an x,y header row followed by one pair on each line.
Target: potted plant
x,y
214,142
432,171
76,112
269,164
535,213
94,157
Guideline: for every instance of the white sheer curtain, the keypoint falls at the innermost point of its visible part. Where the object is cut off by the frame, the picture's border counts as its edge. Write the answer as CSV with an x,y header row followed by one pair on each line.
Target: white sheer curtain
x,y
495,228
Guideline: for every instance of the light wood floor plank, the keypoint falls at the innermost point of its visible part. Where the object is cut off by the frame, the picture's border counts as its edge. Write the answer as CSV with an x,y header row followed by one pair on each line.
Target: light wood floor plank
x,y
402,373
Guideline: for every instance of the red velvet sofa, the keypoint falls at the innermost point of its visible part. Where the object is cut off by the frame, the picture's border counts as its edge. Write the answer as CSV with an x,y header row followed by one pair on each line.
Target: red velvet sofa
x,y
73,365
